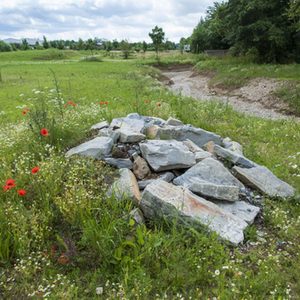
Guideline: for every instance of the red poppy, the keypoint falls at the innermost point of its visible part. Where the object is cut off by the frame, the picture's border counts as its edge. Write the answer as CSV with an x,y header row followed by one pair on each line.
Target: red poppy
x,y
71,103
21,193
25,111
106,102
35,170
7,188
44,132
10,182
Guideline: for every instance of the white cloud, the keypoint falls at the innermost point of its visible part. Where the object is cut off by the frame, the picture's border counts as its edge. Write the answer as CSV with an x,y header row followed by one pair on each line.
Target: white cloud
x,y
71,19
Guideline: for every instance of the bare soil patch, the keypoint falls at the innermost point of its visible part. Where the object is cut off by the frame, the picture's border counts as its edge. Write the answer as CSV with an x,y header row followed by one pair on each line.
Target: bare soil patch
x,y
255,98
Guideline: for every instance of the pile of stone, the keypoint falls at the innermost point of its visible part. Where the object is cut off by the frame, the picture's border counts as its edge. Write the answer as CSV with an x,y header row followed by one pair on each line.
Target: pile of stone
x,y
172,170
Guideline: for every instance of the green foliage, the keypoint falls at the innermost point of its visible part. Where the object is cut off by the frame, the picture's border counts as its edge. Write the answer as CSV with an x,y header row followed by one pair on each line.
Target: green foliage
x,y
4,47
125,48
24,45
262,28
45,43
157,35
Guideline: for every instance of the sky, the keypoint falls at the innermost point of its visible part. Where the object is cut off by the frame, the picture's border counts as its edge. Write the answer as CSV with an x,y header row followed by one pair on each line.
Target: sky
x,y
110,19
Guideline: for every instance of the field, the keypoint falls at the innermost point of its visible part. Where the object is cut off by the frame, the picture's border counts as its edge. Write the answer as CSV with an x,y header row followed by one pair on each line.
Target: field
x,y
65,239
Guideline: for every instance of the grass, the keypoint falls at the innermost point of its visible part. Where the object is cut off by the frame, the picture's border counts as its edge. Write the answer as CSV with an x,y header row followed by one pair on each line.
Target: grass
x,y
65,238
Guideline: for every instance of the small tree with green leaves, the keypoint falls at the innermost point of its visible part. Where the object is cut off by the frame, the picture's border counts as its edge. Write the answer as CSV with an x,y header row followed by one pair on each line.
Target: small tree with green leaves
x,y
46,44
144,46
157,35
125,48
24,45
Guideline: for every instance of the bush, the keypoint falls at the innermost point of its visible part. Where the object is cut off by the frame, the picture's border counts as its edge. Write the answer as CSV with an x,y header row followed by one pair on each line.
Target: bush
x,y
4,47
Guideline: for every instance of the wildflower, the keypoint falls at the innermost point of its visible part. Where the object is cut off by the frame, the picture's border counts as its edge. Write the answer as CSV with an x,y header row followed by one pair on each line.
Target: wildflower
x,y
44,132
63,259
7,188
217,272
21,193
25,111
146,101
106,102
35,170
10,182
158,104
71,103
99,290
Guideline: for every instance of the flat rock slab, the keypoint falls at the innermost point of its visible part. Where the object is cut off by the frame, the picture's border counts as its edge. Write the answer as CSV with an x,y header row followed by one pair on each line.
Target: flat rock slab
x,y
100,125
265,181
119,163
162,200
174,122
209,178
128,135
168,177
126,187
241,209
97,148
187,132
233,157
167,155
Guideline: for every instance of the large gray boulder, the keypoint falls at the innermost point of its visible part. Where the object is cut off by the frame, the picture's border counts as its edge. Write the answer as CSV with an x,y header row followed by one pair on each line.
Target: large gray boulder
x,y
167,155
97,148
233,157
241,209
265,181
162,200
186,132
126,186
209,178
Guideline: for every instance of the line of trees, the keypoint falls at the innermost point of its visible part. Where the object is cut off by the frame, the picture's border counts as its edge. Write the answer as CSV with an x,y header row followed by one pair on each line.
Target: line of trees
x,y
90,44
268,30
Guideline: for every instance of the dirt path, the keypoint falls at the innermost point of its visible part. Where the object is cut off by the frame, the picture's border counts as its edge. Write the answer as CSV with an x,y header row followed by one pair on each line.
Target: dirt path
x,y
254,99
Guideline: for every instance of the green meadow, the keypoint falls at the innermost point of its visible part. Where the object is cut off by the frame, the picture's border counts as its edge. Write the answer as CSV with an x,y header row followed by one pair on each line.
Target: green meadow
x,y
66,239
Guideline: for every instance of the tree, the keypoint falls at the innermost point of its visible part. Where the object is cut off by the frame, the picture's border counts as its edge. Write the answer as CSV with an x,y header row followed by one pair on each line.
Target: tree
x,y
157,35
60,44
115,44
45,43
125,48
90,45
80,44
144,46
4,47
24,45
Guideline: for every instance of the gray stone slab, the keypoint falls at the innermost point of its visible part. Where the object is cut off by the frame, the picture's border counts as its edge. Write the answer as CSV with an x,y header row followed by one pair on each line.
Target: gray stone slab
x,y
167,176
119,163
265,181
210,178
126,186
103,124
162,200
167,155
233,157
187,132
241,209
97,148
